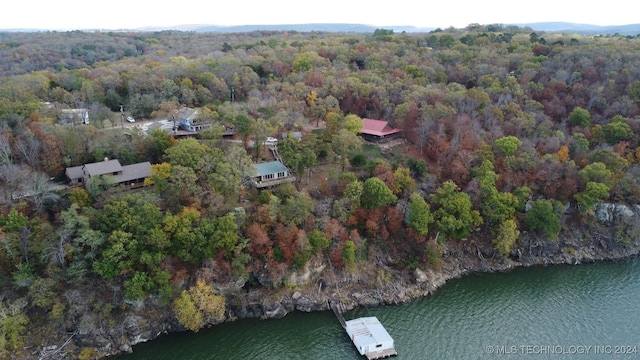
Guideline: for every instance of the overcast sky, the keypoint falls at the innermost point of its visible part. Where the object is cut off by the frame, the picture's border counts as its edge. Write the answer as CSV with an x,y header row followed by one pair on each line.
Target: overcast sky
x,y
119,14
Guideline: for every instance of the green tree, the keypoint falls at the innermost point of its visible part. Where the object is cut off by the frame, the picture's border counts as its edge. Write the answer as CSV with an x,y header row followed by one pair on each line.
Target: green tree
x,y
633,90
121,255
43,292
304,62
349,254
454,215
86,242
375,194
506,236
231,172
182,186
419,216
96,185
346,205
579,144
496,206
137,287
580,117
353,123
192,154
593,193
296,210
308,159
617,130
318,240
543,217
242,125
508,145
344,142
402,181
156,144
261,129
596,172
186,237
13,324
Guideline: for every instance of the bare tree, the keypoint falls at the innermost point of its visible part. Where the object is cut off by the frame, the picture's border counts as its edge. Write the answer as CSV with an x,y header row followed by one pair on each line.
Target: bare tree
x,y
422,130
41,190
29,150
12,179
56,251
5,150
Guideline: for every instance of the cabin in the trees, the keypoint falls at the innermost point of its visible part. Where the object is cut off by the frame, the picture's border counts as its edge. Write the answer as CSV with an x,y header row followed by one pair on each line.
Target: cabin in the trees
x,y
73,117
270,174
379,131
294,134
132,175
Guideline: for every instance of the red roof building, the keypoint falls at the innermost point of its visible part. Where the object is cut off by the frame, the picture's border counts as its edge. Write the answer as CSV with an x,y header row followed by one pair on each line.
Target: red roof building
x,y
378,130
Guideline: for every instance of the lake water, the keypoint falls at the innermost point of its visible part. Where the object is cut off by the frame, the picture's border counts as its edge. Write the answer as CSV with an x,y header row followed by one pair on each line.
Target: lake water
x,y
589,311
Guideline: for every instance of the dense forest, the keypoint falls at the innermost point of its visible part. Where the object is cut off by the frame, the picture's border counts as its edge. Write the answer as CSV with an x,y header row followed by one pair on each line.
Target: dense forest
x,y
506,130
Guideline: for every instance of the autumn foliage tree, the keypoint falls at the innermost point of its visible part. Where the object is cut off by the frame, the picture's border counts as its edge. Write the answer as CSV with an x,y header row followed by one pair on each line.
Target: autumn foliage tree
x,y
198,306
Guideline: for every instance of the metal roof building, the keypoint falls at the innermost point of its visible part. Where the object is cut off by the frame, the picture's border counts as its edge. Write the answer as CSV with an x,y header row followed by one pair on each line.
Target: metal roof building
x,y
270,174
378,130
370,337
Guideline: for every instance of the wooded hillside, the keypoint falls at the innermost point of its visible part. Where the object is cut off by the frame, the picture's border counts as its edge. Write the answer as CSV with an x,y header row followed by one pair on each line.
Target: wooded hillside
x,y
507,130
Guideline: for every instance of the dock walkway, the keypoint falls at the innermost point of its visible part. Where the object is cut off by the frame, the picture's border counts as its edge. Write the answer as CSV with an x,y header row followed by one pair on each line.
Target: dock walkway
x,y
381,354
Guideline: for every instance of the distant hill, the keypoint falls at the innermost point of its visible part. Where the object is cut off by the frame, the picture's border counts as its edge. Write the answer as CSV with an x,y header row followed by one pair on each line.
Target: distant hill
x,y
564,27
631,29
353,28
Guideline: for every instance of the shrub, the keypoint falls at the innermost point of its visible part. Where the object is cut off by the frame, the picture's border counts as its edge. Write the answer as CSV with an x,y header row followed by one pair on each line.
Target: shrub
x,y
358,160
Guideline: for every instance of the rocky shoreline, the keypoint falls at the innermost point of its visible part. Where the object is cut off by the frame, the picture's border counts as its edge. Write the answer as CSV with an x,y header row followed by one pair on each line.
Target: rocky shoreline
x,y
613,235
366,288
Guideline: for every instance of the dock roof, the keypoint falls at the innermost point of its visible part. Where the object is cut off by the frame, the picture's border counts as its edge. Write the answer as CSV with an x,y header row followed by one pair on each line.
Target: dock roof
x,y
368,332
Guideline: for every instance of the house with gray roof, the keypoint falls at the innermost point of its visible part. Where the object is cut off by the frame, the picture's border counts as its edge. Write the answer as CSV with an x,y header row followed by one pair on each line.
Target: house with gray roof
x,y
270,174
132,175
188,121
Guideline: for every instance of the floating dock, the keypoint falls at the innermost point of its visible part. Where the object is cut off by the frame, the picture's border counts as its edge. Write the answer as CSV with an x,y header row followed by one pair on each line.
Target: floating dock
x,y
368,335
